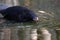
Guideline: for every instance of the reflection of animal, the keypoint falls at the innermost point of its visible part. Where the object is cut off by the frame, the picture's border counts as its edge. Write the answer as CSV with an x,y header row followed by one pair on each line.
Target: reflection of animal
x,y
20,14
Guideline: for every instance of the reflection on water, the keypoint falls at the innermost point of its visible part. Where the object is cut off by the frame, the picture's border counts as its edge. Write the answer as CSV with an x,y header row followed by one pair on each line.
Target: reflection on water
x,y
41,23
5,23
11,24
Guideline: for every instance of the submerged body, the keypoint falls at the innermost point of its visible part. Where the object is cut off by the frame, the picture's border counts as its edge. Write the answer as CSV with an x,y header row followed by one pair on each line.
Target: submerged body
x,y
19,14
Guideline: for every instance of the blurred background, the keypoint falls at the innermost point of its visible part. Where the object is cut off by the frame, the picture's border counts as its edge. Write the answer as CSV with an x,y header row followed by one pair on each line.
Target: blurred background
x,y
48,12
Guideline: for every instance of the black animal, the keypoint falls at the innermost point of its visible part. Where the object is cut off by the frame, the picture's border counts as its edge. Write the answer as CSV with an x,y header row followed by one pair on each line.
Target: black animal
x,y
19,14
